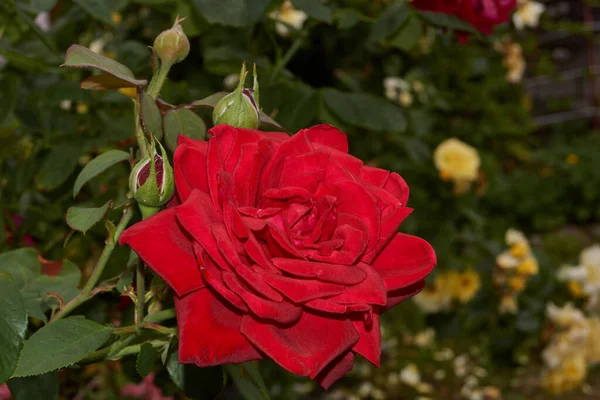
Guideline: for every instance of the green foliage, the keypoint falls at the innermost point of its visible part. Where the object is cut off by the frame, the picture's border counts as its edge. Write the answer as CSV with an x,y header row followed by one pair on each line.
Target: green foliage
x,y
13,323
82,219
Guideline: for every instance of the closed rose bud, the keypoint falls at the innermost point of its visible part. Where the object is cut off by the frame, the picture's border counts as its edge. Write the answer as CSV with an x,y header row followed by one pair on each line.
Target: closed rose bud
x,y
151,180
172,45
239,109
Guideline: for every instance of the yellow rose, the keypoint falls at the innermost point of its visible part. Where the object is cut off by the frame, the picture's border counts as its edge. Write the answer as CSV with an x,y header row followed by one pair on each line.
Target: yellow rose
x,y
528,267
466,285
519,249
457,160
517,283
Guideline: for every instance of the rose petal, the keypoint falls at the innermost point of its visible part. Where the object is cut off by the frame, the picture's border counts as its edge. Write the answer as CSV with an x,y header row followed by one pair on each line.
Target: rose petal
x,y
370,291
327,135
336,370
398,296
167,249
190,167
396,185
209,332
306,347
404,261
369,343
391,218
357,201
374,176
335,308
301,290
342,274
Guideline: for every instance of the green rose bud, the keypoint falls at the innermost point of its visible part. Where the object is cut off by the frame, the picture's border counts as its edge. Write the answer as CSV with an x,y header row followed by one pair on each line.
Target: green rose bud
x,y
151,180
172,46
240,108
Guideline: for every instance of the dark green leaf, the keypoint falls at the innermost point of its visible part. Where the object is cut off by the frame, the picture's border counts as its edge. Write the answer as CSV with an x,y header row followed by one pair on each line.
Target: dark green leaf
x,y
60,344
347,18
8,93
195,382
57,166
150,118
125,280
447,21
315,9
390,21
97,166
365,110
22,264
82,57
210,101
146,359
82,218
184,122
42,5
35,387
13,323
408,36
248,380
96,9
231,12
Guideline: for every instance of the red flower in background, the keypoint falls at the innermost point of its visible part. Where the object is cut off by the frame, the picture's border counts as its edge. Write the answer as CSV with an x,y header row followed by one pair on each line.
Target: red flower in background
x,y
284,247
482,14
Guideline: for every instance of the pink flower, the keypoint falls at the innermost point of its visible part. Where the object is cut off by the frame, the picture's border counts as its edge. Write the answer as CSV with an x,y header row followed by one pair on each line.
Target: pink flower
x,y
145,390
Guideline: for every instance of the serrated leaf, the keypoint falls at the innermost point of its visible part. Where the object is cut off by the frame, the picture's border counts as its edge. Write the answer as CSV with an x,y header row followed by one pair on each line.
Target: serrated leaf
x,y
81,57
365,110
22,264
210,101
82,218
35,387
57,166
315,9
184,122
248,380
97,166
195,382
231,12
150,117
13,323
96,9
447,21
60,344
390,21
146,359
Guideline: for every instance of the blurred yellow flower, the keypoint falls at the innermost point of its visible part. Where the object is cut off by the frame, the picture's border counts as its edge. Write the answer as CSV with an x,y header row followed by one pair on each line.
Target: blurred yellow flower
x,y
405,99
82,108
572,159
584,277
592,349
425,338
288,16
576,289
527,267
457,160
520,249
565,316
513,59
466,285
437,296
129,92
505,260
567,376
517,283
528,14
492,392
116,17
508,305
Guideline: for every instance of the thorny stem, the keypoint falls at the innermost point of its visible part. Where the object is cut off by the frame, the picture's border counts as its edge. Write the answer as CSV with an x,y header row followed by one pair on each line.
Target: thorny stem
x,y
85,293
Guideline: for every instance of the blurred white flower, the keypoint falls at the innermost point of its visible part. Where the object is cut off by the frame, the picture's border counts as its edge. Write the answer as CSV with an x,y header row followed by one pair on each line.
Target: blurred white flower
x,y
410,375
425,338
288,15
397,90
231,81
565,316
444,354
514,236
42,20
66,104
365,389
590,256
505,260
528,14
439,374
97,45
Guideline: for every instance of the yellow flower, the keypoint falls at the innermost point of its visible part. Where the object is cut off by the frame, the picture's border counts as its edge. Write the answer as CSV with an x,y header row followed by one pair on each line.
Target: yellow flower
x,y
513,60
288,15
437,296
457,160
505,260
492,392
116,17
572,159
592,348
576,289
514,236
517,283
508,305
520,249
405,99
567,376
82,108
566,316
528,14
129,92
466,285
529,266
425,338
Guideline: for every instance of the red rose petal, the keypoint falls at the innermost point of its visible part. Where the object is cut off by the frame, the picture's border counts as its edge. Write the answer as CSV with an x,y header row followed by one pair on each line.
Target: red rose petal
x,y
391,218
165,247
357,201
209,332
327,306
396,185
342,274
301,290
369,342
404,261
305,348
335,370
370,291
327,135
398,296
374,176
190,167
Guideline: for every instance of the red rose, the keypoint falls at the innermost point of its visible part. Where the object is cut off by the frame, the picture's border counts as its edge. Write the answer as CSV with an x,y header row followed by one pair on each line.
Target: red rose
x,y
482,14
284,247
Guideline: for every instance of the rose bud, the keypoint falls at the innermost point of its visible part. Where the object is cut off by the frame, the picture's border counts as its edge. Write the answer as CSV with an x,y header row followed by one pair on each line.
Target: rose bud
x,y
151,180
172,45
239,109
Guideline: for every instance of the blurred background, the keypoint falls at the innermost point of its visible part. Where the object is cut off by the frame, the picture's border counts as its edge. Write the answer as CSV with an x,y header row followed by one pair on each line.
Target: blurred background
x,y
497,137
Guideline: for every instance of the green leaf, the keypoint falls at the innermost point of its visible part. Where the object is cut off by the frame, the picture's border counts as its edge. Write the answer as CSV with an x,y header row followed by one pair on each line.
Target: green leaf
x,y
248,380
210,101
146,359
447,21
150,118
60,344
315,9
347,18
390,21
81,57
185,122
365,110
35,387
42,5
97,166
96,9
125,280
82,218
57,166
195,382
13,323
408,36
22,264
231,12
8,93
